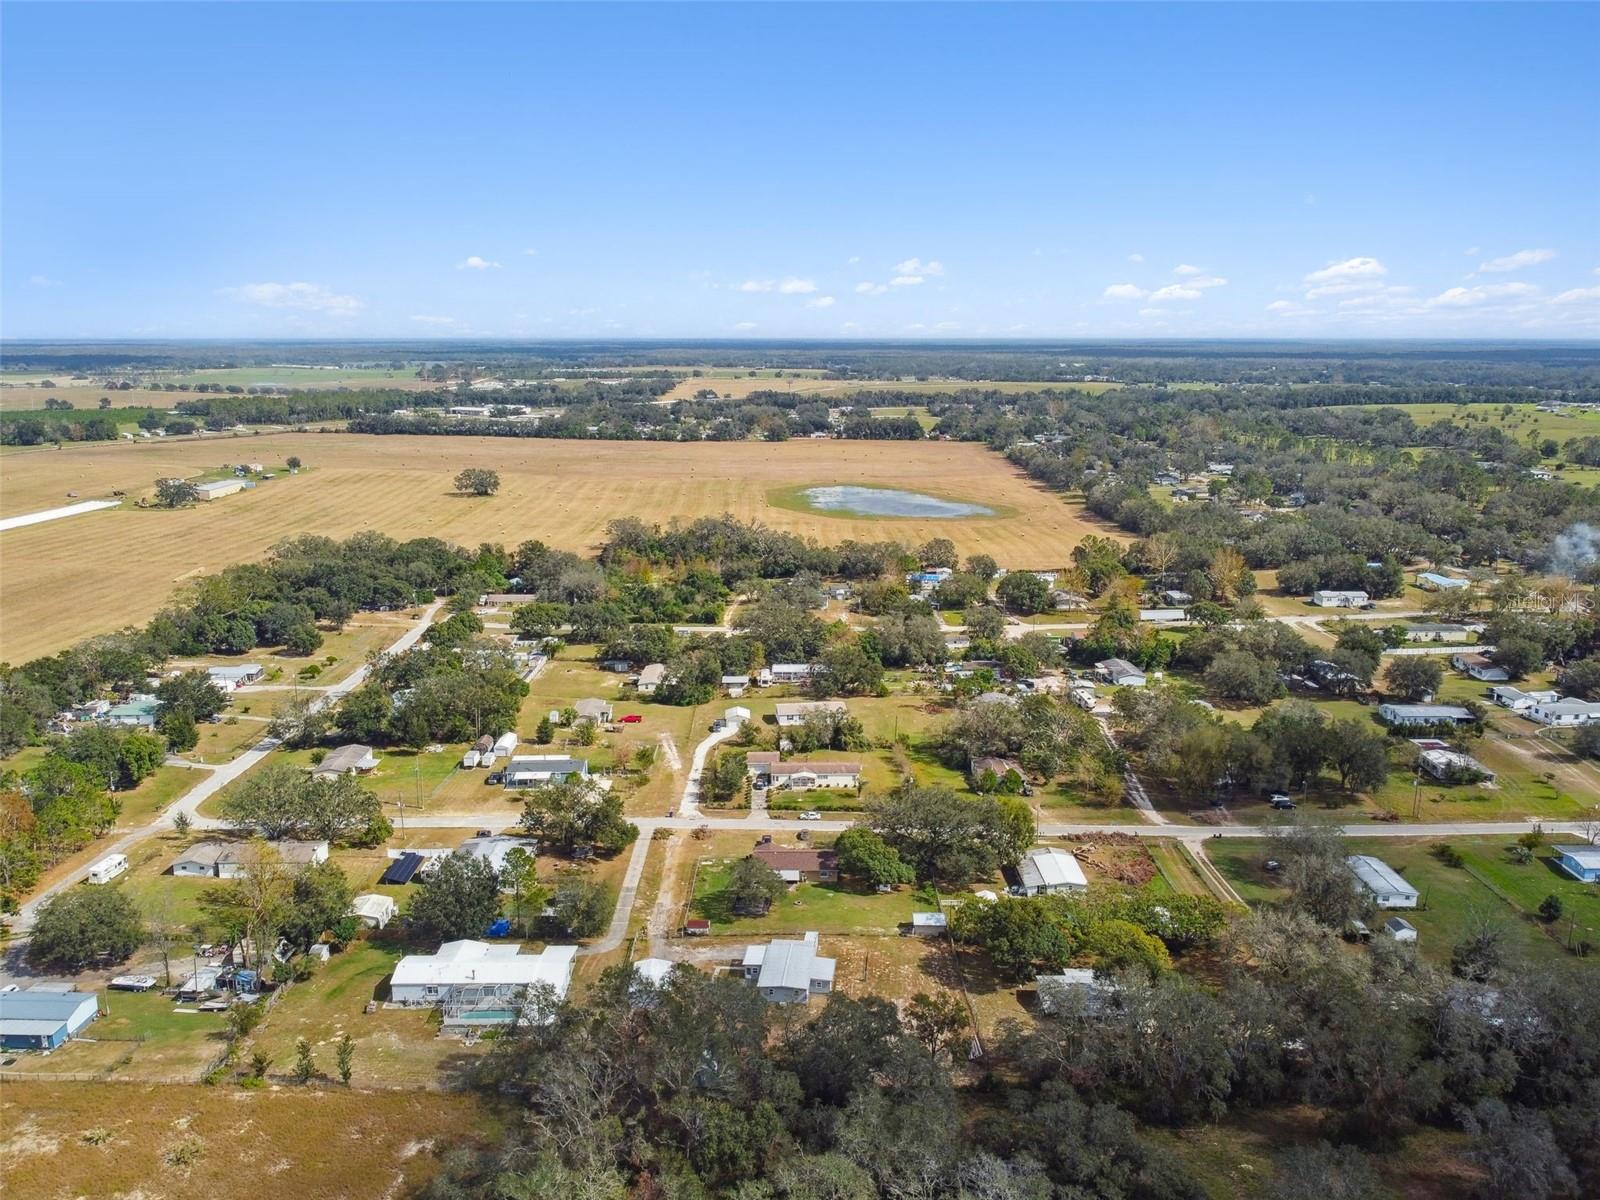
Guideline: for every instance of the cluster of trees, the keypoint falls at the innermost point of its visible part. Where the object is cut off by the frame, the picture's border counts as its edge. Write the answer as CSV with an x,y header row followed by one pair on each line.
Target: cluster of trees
x,y
66,800
1046,737
281,800
575,813
1290,745
944,836
463,895
455,688
1114,932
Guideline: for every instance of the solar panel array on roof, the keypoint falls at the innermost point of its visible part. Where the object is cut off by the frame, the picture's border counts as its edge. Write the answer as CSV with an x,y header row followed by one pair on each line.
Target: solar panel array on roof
x,y
403,868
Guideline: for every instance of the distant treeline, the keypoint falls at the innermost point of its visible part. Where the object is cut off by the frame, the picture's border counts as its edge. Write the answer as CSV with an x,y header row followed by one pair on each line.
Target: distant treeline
x,y
1504,364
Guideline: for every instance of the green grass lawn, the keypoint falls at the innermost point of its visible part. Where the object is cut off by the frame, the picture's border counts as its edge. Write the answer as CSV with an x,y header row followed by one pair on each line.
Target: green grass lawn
x,y
154,793
838,908
1453,899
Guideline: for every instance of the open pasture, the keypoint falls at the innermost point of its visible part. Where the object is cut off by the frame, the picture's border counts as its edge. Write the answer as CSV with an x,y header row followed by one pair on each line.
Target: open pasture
x,y
1521,422
66,580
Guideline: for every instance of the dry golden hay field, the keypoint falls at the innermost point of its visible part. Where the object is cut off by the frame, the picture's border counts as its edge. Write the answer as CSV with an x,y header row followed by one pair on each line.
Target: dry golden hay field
x,y
64,580
124,1139
741,386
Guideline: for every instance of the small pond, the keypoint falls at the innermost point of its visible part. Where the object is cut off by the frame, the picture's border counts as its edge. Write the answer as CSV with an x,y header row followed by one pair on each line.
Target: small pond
x,y
887,502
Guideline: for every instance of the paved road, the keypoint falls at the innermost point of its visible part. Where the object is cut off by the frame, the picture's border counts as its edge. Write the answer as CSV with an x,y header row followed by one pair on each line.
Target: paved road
x,y
219,777
689,805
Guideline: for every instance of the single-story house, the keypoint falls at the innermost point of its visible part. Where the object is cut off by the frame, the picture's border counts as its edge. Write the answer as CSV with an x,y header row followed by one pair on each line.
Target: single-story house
x,y
527,770
737,714
138,711
470,973
351,759
199,859
200,982
1423,714
1432,581
1581,862
1480,667
1178,599
219,489
617,666
1063,601
1437,631
789,972
820,865
1159,615
226,679
1448,764
43,1017
735,685
802,776
598,711
1059,993
1564,713
494,848
1400,929
928,924
1119,672
790,672
1047,869
999,767
374,910
651,677
231,860
1382,882
796,713
1518,700
696,927
1340,599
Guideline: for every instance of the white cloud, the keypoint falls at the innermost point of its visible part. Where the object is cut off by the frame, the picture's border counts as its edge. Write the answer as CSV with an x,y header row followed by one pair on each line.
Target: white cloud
x,y
440,322
41,281
1152,312
915,266
1174,291
1577,296
797,287
853,259
868,288
1206,281
530,253
1464,297
1350,268
820,302
757,285
300,297
1473,251
474,263
1290,308
746,326
905,281
1124,291
1136,258
1515,262
948,326
1186,269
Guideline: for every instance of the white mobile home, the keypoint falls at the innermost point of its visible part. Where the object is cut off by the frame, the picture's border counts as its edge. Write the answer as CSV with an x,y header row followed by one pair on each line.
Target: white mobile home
x,y
1047,869
108,868
1336,599
1563,714
796,713
1382,882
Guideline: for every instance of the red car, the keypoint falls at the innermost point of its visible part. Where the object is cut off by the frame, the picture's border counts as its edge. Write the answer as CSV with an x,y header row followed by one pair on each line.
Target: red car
x,y
631,718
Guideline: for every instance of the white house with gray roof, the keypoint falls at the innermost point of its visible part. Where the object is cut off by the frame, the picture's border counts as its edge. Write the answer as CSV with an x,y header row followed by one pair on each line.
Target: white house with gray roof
x,y
789,972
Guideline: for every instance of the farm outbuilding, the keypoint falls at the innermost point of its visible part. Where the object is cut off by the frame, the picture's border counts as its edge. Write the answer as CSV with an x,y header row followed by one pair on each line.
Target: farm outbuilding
x,y
1382,882
42,1017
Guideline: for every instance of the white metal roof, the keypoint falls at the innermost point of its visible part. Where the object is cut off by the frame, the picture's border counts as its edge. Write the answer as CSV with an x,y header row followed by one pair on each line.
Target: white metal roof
x,y
792,964
1378,876
1048,867
473,962
1587,857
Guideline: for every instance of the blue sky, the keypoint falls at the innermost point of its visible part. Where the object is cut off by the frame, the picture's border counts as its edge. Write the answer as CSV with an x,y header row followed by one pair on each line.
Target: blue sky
x,y
800,171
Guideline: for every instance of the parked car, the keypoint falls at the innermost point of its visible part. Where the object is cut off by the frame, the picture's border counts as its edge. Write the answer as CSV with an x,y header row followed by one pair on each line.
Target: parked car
x,y
631,718
811,815
718,725
1279,800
